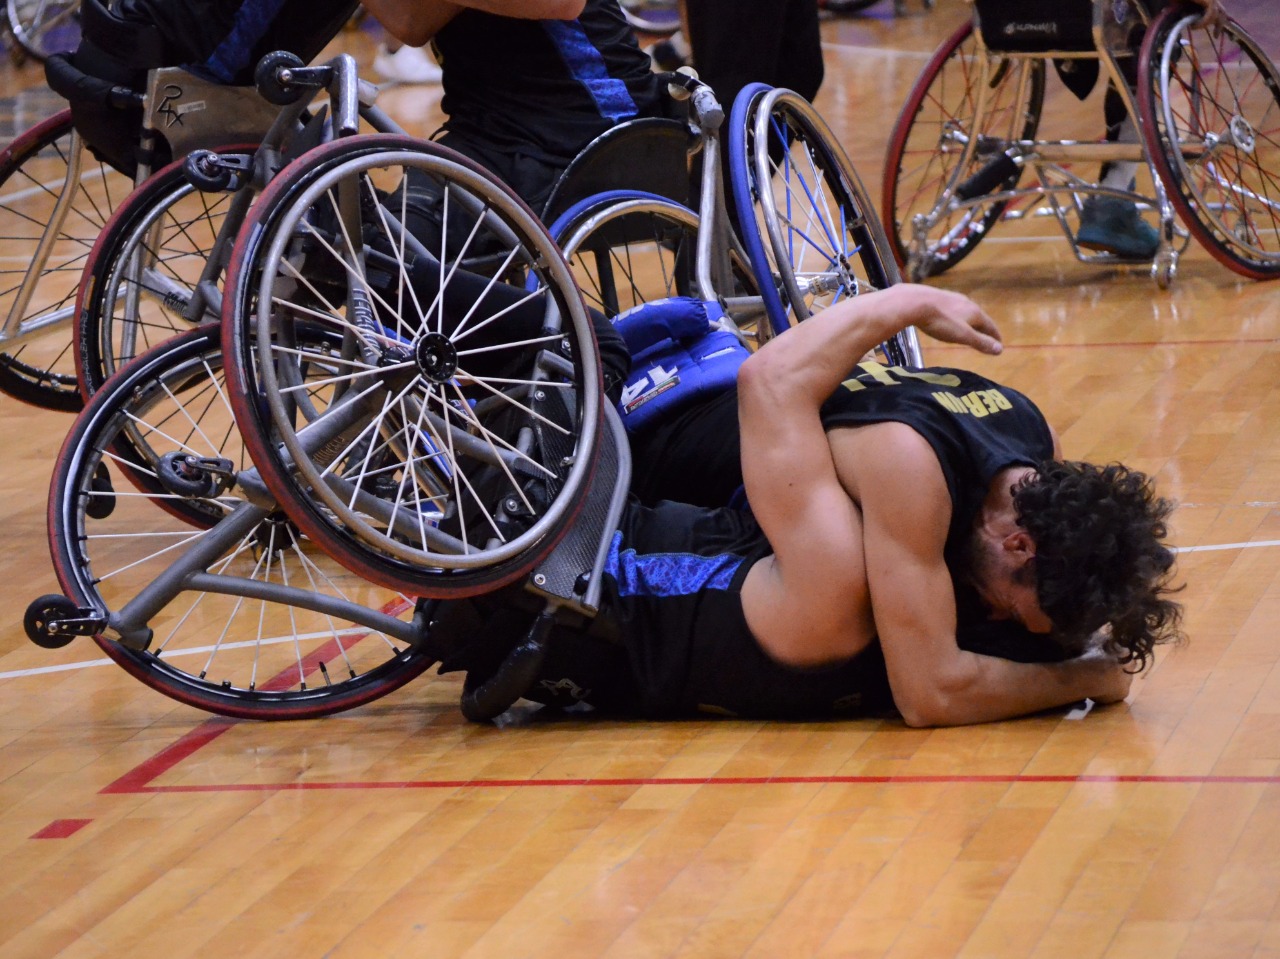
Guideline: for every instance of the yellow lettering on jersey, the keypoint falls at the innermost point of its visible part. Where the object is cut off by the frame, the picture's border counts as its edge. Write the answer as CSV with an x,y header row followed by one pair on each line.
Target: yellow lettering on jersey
x,y
927,376
878,372
974,404
949,402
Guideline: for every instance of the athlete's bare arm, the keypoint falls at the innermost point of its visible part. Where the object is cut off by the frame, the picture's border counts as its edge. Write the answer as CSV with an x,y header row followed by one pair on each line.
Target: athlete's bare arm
x,y
808,604
934,681
414,22
859,549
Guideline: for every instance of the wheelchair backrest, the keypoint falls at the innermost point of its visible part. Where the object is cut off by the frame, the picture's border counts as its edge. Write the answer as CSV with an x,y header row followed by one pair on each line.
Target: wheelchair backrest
x,y
221,41
1036,26
649,154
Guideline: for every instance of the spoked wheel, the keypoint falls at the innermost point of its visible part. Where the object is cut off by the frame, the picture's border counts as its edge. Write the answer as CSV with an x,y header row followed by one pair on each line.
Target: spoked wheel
x,y
960,118
806,219
143,272
462,431
54,200
626,247
1210,105
265,625
42,27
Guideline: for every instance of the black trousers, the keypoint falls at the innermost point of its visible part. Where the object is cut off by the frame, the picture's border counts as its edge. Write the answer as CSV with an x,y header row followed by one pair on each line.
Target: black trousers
x,y
737,42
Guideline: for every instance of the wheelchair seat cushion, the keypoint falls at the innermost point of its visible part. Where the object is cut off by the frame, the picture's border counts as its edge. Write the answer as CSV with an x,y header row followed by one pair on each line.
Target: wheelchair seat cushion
x,y
680,354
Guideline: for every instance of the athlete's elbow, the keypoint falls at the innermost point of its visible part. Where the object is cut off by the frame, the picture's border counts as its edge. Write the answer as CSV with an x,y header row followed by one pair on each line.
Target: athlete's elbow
x,y
765,377
938,704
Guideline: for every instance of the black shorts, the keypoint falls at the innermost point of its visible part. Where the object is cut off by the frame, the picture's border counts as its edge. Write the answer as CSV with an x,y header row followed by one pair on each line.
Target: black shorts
x,y
671,639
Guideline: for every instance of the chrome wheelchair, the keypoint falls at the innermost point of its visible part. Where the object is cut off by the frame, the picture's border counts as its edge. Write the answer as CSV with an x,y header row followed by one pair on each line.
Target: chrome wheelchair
x,y
257,519
968,151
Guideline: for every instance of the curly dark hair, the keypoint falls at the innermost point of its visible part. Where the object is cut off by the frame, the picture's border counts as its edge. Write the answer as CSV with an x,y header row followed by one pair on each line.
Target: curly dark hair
x,y
1101,560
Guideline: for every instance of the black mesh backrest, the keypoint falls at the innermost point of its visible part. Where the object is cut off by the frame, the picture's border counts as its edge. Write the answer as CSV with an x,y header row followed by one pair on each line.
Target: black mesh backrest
x,y
650,154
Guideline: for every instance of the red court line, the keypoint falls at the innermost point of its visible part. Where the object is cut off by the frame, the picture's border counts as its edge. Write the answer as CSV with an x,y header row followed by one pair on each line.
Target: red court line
x,y
139,777
1012,778
61,828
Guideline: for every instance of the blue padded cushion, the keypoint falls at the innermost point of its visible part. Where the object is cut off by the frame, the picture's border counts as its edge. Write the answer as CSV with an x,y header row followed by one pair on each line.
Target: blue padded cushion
x,y
678,357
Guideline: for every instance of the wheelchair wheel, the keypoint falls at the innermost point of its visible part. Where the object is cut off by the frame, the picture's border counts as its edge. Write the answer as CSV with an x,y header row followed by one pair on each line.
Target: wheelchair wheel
x,y
266,626
42,27
143,271
626,248
463,436
798,189
1210,106
937,146
40,275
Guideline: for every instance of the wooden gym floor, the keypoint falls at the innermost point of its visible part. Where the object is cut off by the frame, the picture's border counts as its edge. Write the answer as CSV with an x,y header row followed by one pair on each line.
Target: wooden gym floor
x,y
132,826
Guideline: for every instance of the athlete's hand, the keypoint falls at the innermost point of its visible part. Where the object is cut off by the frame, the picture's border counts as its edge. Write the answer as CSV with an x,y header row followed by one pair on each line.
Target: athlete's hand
x,y
1215,18
1110,681
946,316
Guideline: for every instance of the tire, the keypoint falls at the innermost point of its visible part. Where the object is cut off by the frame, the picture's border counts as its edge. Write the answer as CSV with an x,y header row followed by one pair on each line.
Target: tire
x,y
455,467
1220,95
805,216
240,643
42,27
929,158
41,370
143,271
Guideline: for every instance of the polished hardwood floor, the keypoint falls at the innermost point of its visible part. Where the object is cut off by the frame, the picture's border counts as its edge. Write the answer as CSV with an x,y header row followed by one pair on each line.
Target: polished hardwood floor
x,y
133,826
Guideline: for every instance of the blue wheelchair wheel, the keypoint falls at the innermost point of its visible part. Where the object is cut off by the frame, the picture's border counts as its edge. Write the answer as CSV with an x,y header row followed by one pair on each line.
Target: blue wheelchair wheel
x,y
627,247
806,219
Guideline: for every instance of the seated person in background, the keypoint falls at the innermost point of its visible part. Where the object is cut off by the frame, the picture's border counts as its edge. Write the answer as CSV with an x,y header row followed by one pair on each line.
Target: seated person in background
x,y
528,83
903,524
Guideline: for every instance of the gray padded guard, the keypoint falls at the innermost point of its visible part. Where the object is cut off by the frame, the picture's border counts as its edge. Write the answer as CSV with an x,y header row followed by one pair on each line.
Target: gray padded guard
x,y
578,559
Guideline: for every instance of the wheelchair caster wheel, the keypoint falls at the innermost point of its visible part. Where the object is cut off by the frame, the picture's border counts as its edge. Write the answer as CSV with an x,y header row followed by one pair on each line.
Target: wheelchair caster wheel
x,y
44,618
102,495
198,478
211,172
1165,268
272,78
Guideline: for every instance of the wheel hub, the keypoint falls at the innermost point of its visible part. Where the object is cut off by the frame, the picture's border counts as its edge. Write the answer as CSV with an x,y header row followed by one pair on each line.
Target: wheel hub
x,y
1242,134
436,356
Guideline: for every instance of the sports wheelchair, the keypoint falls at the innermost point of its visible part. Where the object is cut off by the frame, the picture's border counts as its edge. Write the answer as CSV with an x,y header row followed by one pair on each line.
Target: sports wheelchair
x,y
257,520
968,152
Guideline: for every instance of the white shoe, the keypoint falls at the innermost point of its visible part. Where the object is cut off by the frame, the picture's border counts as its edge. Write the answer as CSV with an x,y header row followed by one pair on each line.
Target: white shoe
x,y
406,65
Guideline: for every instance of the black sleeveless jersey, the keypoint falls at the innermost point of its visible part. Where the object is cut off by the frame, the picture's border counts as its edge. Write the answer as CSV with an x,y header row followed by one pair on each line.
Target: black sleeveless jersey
x,y
976,427
674,574
545,88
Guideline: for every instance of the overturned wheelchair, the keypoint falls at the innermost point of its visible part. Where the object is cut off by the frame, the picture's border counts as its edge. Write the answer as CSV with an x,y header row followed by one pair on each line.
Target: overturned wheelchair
x,y
1194,105
257,520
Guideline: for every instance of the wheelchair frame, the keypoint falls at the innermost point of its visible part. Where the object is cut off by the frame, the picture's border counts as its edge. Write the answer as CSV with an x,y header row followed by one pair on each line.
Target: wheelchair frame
x,y
984,146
